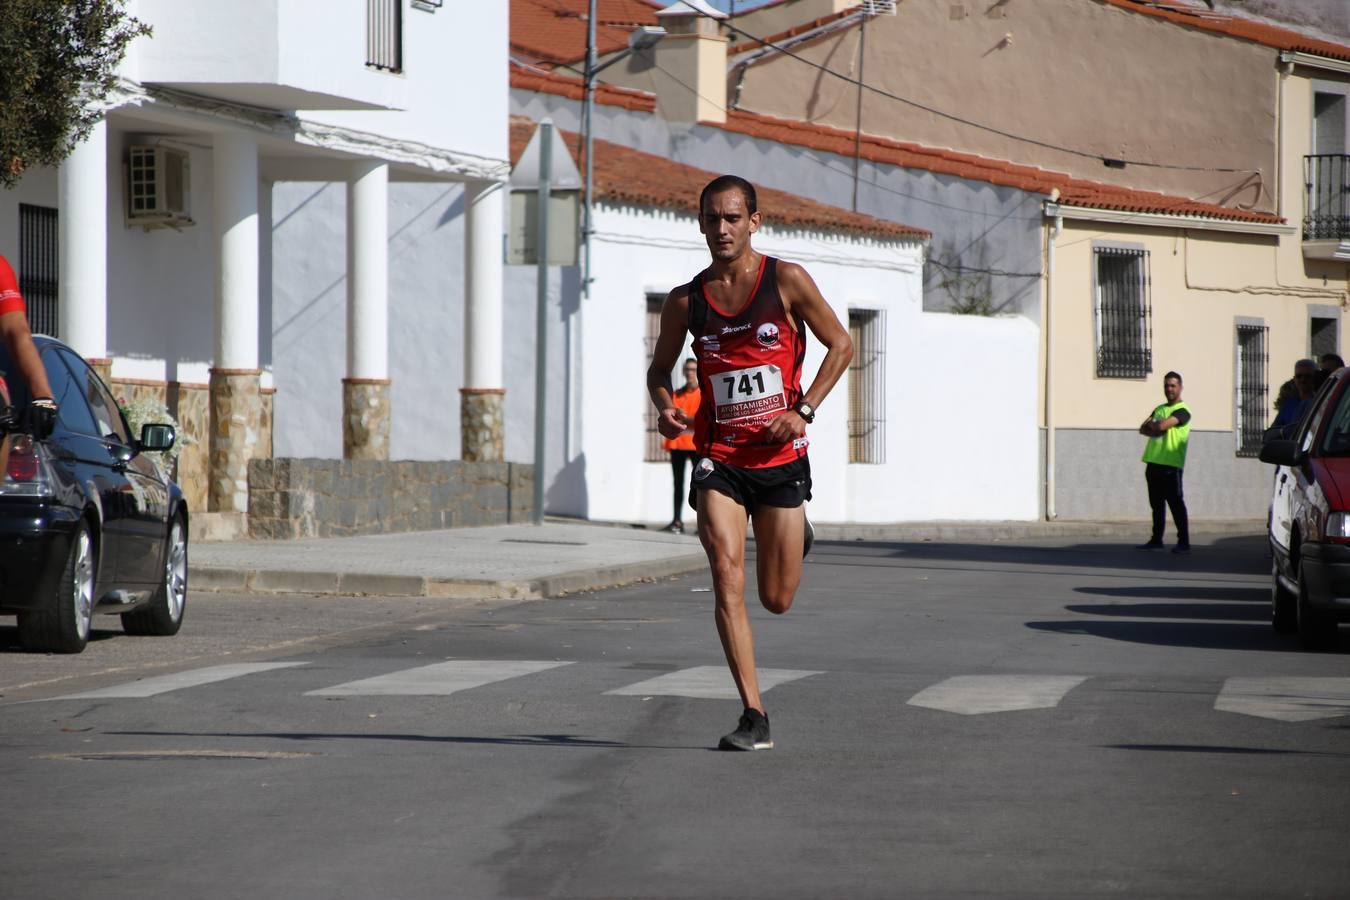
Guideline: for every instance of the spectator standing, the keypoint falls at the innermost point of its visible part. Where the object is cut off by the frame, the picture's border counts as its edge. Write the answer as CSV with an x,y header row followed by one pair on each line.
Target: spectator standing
x,y
1293,407
681,448
1168,430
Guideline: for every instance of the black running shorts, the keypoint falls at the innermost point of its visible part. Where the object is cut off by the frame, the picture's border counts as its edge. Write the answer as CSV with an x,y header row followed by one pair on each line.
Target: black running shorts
x,y
788,485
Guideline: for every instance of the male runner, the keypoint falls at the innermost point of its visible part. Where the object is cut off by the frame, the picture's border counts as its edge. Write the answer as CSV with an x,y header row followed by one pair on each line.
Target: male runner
x,y
746,314
14,332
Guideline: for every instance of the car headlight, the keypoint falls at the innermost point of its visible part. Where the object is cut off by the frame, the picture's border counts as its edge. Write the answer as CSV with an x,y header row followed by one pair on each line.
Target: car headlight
x,y
1338,526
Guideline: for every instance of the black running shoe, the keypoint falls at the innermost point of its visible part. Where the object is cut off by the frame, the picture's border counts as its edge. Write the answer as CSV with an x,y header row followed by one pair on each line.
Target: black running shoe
x,y
752,733
810,537
1151,545
1182,548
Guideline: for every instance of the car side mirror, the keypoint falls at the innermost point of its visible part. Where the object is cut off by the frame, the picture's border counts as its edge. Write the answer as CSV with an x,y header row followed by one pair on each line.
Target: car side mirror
x,y
156,437
1281,453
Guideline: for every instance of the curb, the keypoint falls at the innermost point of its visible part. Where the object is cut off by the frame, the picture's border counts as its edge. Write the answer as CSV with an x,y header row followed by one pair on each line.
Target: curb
x,y
214,579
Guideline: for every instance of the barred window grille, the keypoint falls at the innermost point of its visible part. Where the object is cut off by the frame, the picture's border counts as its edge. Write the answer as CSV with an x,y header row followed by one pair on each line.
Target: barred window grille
x,y
39,267
1251,390
654,452
384,35
1326,214
1124,314
867,387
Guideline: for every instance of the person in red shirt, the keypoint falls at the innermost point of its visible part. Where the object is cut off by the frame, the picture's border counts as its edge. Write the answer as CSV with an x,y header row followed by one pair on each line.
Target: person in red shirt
x,y
681,447
748,315
14,332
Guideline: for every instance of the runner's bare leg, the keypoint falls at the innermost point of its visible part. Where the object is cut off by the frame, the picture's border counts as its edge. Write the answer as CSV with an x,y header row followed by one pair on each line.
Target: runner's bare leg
x,y
722,529
779,534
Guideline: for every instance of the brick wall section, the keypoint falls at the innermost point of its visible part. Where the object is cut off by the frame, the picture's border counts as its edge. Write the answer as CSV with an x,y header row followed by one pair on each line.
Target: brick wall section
x,y
299,498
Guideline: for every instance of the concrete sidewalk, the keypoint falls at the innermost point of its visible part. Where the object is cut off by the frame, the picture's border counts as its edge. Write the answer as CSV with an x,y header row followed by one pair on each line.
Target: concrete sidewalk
x,y
508,562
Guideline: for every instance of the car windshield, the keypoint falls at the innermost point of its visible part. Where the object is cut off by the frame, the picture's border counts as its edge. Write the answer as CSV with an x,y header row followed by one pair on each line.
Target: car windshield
x,y
1336,435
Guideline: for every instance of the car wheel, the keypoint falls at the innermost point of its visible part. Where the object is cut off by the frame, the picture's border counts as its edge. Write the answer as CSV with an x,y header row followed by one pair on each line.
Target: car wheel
x,y
1316,628
1283,604
64,627
164,614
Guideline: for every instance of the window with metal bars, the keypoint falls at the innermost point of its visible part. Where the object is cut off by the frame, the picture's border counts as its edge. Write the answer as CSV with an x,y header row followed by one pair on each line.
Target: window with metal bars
x,y
1249,387
653,452
39,267
867,387
384,35
1124,314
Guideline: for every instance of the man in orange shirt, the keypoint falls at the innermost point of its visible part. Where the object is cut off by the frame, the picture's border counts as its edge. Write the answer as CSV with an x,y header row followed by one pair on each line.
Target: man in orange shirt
x,y
687,399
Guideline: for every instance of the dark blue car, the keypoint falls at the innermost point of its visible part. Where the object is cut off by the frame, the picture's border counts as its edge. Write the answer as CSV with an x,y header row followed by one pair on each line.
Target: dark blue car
x,y
88,523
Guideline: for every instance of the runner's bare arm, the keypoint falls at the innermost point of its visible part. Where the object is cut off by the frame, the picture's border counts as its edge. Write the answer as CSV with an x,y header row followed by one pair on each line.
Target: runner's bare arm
x,y
14,331
672,421
803,300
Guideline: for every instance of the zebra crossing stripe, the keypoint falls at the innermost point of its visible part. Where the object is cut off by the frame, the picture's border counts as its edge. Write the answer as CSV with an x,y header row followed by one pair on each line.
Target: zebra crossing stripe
x,y
149,687
707,683
971,695
439,679
1286,699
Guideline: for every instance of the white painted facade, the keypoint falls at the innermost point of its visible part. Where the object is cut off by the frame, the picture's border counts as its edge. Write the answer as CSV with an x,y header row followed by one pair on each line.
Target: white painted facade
x,y
276,109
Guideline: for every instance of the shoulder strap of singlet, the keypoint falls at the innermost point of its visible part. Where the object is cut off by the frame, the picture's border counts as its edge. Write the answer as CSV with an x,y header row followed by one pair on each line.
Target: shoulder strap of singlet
x,y
698,306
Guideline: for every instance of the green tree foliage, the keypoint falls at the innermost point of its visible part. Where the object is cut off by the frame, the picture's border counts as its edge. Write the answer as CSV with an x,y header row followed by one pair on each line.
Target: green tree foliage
x,y
57,63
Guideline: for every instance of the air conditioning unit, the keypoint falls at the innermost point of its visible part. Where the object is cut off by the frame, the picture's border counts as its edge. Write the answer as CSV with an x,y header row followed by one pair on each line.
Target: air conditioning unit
x,y
158,187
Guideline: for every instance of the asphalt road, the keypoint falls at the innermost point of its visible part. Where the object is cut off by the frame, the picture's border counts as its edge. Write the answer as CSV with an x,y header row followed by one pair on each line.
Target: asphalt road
x,y
1014,719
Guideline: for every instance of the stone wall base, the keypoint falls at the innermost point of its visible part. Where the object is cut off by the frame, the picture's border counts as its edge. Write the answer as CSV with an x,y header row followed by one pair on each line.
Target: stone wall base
x,y
236,435
482,418
365,418
299,498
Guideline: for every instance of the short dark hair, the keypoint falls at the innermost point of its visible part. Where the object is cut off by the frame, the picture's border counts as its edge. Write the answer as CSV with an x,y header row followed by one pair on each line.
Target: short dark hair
x,y
1333,358
726,183
1176,375
690,360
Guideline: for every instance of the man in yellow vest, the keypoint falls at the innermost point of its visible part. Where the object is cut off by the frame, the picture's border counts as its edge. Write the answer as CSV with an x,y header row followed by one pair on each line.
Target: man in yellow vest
x,y
1168,431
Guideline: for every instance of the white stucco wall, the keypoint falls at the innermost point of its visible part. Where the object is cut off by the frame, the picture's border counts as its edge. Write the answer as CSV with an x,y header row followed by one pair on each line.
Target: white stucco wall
x,y
426,318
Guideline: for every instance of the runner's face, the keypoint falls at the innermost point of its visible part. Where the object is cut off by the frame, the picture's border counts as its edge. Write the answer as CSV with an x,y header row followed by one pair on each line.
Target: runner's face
x,y
726,225
691,375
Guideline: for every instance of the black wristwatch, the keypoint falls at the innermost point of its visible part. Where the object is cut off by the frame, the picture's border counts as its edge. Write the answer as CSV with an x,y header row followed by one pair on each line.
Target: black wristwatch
x,y
806,411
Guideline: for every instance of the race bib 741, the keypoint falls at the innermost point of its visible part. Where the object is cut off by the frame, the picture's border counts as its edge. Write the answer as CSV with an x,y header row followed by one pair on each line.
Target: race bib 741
x,y
748,393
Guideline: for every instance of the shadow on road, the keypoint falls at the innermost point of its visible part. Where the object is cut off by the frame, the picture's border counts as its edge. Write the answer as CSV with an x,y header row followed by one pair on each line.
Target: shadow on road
x,y
1235,555
516,740
1227,593
1229,612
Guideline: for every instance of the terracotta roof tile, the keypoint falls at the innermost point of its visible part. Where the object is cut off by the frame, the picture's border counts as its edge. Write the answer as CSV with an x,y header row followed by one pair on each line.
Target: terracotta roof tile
x,y
1235,26
625,175
552,32
573,88
1072,191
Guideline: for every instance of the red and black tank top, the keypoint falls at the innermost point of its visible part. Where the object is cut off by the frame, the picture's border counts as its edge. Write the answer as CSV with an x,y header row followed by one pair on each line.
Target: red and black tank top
x,y
749,371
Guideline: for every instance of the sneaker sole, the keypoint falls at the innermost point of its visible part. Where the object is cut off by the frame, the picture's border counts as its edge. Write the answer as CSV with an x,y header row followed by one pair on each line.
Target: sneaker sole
x,y
760,745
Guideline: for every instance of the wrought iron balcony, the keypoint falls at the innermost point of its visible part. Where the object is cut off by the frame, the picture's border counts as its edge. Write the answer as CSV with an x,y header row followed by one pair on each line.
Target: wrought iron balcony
x,y
1327,209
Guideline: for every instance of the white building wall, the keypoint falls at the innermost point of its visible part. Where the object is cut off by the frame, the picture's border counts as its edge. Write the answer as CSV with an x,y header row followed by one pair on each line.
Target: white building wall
x,y
426,317
456,82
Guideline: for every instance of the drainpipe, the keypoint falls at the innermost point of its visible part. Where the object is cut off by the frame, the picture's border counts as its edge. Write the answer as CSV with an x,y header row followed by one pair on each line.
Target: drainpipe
x,y
1057,226
1286,68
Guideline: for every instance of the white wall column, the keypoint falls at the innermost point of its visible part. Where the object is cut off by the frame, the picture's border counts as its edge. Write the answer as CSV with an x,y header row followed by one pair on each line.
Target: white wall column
x,y
82,202
483,397
236,397
366,389
235,194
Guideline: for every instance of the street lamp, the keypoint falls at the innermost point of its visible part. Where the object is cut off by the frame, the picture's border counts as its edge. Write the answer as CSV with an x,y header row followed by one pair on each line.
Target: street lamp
x,y
643,38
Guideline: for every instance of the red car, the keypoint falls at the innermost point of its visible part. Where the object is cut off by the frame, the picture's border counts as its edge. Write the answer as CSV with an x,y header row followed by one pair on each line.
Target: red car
x,y
1310,519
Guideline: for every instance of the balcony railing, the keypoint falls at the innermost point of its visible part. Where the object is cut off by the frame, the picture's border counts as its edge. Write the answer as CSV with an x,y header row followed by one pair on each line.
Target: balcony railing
x,y
1327,209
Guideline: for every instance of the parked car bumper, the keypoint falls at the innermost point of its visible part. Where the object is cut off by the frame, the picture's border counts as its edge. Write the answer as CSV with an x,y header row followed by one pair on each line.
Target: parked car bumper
x,y
34,543
1326,573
